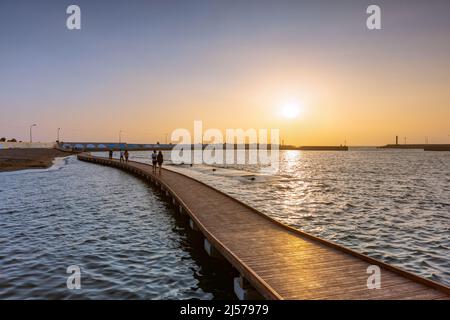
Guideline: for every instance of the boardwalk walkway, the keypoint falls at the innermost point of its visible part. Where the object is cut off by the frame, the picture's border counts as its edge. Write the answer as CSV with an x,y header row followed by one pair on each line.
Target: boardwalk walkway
x,y
278,261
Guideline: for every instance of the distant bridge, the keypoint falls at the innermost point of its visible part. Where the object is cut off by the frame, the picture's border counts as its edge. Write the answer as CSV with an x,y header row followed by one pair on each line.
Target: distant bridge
x,y
114,146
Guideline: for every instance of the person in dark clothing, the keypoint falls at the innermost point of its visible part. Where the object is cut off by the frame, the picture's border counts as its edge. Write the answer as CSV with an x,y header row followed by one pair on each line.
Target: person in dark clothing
x,y
160,160
110,154
154,160
126,154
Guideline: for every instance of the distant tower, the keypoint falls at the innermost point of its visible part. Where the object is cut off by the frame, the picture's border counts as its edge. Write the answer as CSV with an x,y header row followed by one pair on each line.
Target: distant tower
x,y
396,140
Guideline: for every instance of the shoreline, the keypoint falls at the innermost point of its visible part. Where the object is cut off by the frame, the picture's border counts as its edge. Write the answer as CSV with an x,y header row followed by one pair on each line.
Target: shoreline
x,y
29,158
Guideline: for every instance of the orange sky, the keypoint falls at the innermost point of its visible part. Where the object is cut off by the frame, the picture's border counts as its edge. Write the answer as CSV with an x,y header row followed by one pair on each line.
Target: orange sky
x,y
149,72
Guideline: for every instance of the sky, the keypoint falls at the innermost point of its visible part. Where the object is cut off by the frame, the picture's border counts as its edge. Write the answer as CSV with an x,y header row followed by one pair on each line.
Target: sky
x,y
147,68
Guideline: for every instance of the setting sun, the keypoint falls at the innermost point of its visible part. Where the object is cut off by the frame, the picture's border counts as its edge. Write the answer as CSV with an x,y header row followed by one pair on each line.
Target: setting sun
x,y
290,111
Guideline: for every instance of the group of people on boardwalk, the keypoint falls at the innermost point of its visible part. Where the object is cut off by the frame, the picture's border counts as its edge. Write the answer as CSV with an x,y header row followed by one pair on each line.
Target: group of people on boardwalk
x,y
124,155
157,158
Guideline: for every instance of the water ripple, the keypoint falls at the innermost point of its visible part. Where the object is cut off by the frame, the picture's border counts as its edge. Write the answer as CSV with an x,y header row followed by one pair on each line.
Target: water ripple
x,y
118,230
390,204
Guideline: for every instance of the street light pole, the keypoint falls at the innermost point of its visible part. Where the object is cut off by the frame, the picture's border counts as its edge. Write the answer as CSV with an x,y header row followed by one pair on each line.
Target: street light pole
x,y
120,136
31,132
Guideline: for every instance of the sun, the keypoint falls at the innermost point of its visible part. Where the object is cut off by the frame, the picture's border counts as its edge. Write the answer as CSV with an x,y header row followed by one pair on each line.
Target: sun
x,y
290,110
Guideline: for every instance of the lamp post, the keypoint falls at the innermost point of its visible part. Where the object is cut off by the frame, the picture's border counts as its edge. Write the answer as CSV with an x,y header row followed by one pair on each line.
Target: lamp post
x,y
31,132
120,136
57,135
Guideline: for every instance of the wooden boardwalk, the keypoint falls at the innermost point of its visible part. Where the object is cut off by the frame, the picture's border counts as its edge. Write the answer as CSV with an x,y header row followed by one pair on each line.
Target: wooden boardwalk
x,y
279,261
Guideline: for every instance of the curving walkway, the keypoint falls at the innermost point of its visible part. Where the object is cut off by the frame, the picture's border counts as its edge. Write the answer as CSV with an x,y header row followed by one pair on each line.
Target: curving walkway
x,y
278,261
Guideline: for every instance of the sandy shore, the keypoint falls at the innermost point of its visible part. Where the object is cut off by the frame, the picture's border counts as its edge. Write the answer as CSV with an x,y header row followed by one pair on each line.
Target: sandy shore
x,y
19,159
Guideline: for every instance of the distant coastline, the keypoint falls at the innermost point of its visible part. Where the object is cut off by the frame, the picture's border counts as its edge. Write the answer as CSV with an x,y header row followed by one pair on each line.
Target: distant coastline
x,y
29,158
426,147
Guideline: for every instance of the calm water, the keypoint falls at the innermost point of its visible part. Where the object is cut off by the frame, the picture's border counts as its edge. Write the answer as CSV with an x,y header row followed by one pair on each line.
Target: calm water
x,y
392,205
118,230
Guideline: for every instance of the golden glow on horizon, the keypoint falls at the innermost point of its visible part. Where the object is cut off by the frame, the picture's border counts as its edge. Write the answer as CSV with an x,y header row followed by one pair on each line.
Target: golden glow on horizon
x,y
334,107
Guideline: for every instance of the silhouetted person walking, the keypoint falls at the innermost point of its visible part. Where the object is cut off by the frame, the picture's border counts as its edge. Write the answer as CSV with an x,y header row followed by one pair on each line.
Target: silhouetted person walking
x,y
160,160
154,160
110,154
121,156
126,154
